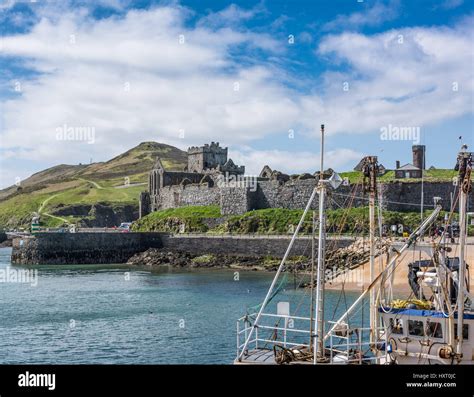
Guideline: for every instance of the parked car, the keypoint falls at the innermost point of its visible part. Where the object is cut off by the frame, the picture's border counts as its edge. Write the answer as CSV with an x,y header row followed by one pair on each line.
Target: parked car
x,y
125,227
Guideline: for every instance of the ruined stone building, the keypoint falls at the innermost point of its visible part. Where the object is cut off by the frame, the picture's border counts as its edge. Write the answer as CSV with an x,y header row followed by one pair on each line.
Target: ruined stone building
x,y
210,178
205,164
358,167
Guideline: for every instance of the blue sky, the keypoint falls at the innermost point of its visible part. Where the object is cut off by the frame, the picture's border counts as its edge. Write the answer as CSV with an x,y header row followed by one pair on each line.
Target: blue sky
x,y
258,77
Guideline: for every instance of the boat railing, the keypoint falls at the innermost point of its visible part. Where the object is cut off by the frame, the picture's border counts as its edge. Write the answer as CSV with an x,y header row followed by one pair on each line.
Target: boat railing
x,y
353,344
273,329
344,345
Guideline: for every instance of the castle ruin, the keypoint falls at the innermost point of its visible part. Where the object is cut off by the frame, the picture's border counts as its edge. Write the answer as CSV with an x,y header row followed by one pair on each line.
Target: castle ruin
x,y
205,165
209,179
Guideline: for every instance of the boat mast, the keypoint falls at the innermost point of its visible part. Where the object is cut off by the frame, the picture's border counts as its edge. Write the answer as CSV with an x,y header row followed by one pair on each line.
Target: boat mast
x,y
450,330
370,170
277,275
464,167
422,206
319,315
372,189
311,308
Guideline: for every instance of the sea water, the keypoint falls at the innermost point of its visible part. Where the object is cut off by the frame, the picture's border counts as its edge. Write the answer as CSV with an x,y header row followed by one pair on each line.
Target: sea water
x,y
116,314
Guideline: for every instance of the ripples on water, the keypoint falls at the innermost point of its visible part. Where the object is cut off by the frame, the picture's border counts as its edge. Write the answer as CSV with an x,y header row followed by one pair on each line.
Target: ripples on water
x,y
92,314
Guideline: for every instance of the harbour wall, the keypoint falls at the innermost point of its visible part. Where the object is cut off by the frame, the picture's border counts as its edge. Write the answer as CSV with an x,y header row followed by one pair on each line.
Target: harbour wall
x,y
243,245
81,248
107,248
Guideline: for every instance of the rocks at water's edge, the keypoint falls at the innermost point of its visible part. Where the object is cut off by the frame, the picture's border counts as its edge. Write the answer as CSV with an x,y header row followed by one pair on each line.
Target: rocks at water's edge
x,y
155,257
347,257
4,240
6,243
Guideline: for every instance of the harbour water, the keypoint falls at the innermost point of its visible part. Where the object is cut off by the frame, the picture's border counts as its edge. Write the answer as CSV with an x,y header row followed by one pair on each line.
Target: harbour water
x,y
116,315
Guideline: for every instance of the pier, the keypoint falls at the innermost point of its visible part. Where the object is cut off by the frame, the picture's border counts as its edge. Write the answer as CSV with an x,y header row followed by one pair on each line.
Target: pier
x,y
108,248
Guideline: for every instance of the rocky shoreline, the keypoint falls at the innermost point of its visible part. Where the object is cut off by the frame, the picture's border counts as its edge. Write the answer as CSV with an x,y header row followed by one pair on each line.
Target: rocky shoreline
x,y
4,240
347,257
154,257
6,243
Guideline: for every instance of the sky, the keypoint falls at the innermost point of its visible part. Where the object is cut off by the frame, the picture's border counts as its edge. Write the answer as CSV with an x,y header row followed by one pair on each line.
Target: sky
x,y
85,80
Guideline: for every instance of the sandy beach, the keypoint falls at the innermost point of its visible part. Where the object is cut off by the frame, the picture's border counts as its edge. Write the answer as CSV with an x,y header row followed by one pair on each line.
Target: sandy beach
x,y
358,279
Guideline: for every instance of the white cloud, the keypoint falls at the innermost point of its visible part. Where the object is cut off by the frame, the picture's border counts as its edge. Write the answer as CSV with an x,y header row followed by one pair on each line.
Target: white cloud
x,y
406,77
292,162
114,4
203,88
192,86
233,15
154,44
450,4
5,4
373,16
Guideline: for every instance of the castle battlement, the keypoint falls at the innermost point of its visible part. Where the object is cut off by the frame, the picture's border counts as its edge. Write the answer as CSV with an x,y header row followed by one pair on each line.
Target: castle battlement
x,y
213,147
207,158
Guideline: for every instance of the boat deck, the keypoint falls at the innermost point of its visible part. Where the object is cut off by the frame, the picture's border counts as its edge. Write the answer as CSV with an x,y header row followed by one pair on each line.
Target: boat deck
x,y
264,357
257,357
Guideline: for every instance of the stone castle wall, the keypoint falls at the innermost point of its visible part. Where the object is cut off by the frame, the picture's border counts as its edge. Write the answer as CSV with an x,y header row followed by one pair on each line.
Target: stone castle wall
x,y
400,196
192,194
294,194
237,200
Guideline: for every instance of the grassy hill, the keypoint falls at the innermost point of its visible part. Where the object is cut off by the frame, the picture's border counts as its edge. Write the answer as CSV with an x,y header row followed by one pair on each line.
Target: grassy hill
x,y
115,184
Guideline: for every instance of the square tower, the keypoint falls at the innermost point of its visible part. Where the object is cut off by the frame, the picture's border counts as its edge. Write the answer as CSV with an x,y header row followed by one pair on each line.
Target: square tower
x,y
206,157
419,153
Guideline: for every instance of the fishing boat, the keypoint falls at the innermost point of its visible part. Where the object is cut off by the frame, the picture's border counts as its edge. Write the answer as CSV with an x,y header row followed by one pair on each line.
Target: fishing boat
x,y
433,324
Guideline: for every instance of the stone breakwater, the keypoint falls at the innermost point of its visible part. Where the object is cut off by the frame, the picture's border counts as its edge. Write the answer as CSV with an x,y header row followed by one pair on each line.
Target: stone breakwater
x,y
102,248
244,245
346,257
81,248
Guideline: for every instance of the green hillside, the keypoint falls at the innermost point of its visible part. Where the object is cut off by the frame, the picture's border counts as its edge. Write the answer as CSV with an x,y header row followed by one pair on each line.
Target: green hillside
x,y
71,188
